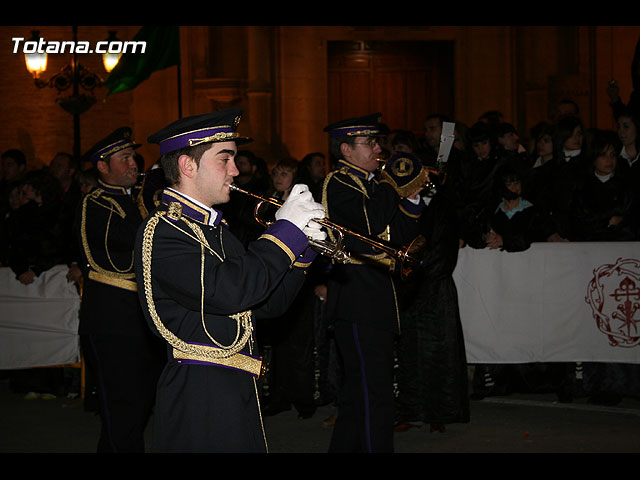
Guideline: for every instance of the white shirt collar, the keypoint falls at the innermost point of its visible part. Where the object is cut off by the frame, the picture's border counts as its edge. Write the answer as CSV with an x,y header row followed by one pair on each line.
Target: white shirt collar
x,y
604,178
624,154
568,154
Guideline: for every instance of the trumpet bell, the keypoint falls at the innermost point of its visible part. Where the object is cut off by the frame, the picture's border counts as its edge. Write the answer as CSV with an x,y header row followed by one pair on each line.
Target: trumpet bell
x,y
413,254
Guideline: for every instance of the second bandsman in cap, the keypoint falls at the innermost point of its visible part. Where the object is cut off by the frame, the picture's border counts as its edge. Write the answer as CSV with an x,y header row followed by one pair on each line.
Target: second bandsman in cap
x,y
123,359
362,296
202,291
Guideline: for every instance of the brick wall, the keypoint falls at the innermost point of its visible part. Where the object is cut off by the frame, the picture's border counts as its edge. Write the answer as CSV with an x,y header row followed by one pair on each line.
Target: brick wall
x,y
31,120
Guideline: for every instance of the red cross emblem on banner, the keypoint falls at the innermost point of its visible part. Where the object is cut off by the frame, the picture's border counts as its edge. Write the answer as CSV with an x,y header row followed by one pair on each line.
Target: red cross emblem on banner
x,y
614,298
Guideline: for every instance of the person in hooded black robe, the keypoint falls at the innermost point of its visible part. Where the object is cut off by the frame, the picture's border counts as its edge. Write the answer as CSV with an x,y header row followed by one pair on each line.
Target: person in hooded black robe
x,y
432,368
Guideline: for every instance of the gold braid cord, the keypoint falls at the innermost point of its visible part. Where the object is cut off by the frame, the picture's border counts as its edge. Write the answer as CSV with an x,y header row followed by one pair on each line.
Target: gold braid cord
x,y
113,207
358,187
243,318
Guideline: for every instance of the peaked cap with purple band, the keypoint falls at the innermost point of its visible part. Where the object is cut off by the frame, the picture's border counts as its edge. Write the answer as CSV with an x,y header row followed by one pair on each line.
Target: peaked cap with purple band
x,y
117,140
366,126
198,129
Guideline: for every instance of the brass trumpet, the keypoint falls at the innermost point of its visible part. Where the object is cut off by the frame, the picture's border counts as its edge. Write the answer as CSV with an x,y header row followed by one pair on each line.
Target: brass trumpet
x,y
335,250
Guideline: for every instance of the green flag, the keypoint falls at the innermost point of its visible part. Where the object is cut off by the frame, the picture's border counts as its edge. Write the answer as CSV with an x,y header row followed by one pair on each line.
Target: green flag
x,y
162,50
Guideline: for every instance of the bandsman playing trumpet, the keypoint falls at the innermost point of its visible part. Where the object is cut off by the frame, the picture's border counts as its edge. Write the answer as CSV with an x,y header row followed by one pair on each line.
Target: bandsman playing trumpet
x,y
362,299
201,291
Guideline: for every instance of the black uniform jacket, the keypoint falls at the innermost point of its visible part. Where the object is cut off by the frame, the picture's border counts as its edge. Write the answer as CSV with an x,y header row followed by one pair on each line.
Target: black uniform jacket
x,y
363,290
520,229
194,278
595,202
106,224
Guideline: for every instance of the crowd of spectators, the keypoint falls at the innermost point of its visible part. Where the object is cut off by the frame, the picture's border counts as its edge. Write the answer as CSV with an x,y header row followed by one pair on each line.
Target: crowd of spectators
x,y
565,182
36,233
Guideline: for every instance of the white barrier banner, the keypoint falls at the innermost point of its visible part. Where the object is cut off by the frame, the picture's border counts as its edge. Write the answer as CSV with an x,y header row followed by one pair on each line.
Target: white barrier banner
x,y
38,322
555,302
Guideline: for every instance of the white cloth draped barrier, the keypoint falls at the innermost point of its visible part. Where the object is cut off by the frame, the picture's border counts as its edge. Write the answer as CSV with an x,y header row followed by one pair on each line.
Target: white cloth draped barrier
x,y
555,302
38,322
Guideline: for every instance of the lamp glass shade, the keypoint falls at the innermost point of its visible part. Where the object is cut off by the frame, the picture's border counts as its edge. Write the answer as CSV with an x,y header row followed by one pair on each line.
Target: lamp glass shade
x,y
36,63
110,60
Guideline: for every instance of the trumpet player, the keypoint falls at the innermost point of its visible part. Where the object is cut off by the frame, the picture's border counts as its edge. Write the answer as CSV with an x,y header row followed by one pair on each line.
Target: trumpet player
x,y
201,291
362,300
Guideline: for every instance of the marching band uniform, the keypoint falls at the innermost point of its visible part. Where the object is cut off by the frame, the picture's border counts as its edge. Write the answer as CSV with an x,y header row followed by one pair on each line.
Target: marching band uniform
x,y
362,298
201,292
122,356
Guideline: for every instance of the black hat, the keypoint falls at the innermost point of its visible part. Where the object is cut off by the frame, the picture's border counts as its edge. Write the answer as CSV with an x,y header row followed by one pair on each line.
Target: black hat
x,y
366,126
191,131
16,155
504,128
480,132
117,140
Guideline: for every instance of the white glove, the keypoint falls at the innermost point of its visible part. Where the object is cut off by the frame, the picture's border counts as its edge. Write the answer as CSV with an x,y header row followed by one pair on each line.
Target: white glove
x,y
313,231
300,208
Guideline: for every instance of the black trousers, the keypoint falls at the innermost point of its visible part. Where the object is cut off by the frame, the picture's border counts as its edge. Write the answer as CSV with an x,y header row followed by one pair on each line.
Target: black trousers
x,y
366,410
125,370
292,360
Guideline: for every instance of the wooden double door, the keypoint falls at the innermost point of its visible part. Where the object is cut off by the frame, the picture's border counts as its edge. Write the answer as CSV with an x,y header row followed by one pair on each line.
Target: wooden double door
x,y
405,81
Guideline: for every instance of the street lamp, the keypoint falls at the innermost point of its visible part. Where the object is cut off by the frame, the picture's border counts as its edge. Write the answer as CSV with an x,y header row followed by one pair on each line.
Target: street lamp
x,y
73,76
109,59
37,61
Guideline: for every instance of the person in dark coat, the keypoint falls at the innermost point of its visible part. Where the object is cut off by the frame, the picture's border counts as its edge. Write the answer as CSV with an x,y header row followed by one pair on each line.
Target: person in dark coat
x,y
514,223
202,291
312,172
362,300
428,153
63,167
601,211
601,204
613,91
36,242
628,162
514,154
432,366
14,168
477,182
123,358
15,200
554,182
